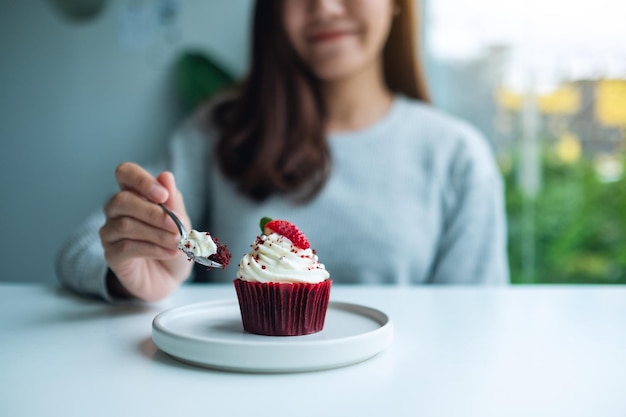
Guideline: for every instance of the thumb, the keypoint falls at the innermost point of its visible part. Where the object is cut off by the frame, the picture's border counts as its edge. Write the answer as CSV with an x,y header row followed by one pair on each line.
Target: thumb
x,y
175,201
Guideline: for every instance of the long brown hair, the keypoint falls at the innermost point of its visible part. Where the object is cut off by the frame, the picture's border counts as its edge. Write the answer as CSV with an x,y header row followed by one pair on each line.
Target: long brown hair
x,y
272,138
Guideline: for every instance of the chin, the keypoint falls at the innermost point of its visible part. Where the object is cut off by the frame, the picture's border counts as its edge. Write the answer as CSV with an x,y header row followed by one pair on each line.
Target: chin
x,y
336,71
333,76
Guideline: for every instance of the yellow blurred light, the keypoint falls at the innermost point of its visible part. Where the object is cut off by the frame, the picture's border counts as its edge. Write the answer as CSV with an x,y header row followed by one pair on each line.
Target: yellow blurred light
x,y
508,99
568,148
564,100
611,102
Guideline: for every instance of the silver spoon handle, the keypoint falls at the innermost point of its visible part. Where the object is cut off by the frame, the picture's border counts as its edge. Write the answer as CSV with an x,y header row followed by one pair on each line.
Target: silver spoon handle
x,y
179,224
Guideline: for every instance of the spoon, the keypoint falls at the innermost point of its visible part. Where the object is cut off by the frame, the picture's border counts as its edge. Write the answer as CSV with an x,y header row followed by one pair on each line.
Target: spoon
x,y
202,260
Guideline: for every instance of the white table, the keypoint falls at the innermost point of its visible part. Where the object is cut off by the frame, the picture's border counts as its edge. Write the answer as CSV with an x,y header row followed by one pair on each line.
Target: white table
x,y
520,351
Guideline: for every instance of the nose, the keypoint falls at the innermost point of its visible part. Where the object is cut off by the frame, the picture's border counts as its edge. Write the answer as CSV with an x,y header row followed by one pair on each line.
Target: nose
x,y
324,9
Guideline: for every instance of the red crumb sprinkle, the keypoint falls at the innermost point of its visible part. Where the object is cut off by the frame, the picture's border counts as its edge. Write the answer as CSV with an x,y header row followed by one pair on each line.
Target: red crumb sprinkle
x,y
263,266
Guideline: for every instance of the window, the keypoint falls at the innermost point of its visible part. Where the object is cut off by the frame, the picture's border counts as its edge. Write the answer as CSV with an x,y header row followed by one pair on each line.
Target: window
x,y
551,79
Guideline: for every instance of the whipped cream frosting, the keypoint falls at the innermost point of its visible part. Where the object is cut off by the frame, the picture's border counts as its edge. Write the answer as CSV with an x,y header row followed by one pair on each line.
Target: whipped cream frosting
x,y
199,243
274,258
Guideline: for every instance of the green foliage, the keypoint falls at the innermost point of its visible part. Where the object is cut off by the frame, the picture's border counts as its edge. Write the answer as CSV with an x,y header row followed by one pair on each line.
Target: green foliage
x,y
574,231
199,76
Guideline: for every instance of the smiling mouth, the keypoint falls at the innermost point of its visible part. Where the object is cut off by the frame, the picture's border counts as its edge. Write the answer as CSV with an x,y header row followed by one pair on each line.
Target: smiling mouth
x,y
329,35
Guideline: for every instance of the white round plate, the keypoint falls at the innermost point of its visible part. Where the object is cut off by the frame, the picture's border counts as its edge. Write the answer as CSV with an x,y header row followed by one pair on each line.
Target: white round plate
x,y
210,334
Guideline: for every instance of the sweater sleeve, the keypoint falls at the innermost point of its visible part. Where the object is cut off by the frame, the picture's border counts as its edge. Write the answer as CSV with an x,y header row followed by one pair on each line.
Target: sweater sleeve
x,y
472,247
80,263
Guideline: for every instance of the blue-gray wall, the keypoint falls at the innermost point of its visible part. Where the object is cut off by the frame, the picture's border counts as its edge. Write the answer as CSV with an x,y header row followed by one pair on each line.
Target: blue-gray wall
x,y
78,98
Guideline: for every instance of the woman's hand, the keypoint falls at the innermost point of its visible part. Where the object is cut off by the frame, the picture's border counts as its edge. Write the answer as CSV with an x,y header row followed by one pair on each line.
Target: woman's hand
x,y
140,240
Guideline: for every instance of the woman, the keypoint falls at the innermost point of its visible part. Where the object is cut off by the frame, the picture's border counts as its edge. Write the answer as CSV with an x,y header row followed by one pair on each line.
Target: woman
x,y
332,131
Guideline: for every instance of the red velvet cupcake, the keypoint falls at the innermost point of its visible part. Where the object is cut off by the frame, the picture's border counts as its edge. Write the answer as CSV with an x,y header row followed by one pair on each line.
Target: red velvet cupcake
x,y
282,288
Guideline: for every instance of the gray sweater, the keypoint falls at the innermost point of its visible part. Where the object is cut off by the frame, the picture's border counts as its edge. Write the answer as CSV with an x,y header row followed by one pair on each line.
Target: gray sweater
x,y
415,198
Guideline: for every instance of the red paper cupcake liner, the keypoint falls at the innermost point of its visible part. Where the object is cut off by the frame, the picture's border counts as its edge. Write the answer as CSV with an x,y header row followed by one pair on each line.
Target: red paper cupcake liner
x,y
283,309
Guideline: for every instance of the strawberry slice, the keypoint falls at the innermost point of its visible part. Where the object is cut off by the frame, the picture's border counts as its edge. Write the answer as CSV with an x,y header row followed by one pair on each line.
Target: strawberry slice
x,y
288,230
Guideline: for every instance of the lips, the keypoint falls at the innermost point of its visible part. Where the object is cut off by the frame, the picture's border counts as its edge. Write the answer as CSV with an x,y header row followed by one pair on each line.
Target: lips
x,y
328,35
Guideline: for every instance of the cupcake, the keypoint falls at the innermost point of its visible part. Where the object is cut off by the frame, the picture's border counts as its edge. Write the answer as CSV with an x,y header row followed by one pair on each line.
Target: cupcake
x,y
281,286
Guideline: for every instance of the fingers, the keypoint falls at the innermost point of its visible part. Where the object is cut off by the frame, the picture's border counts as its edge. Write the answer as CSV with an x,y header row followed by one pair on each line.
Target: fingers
x,y
126,228
132,177
117,253
137,228
125,239
126,204
175,199
166,179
